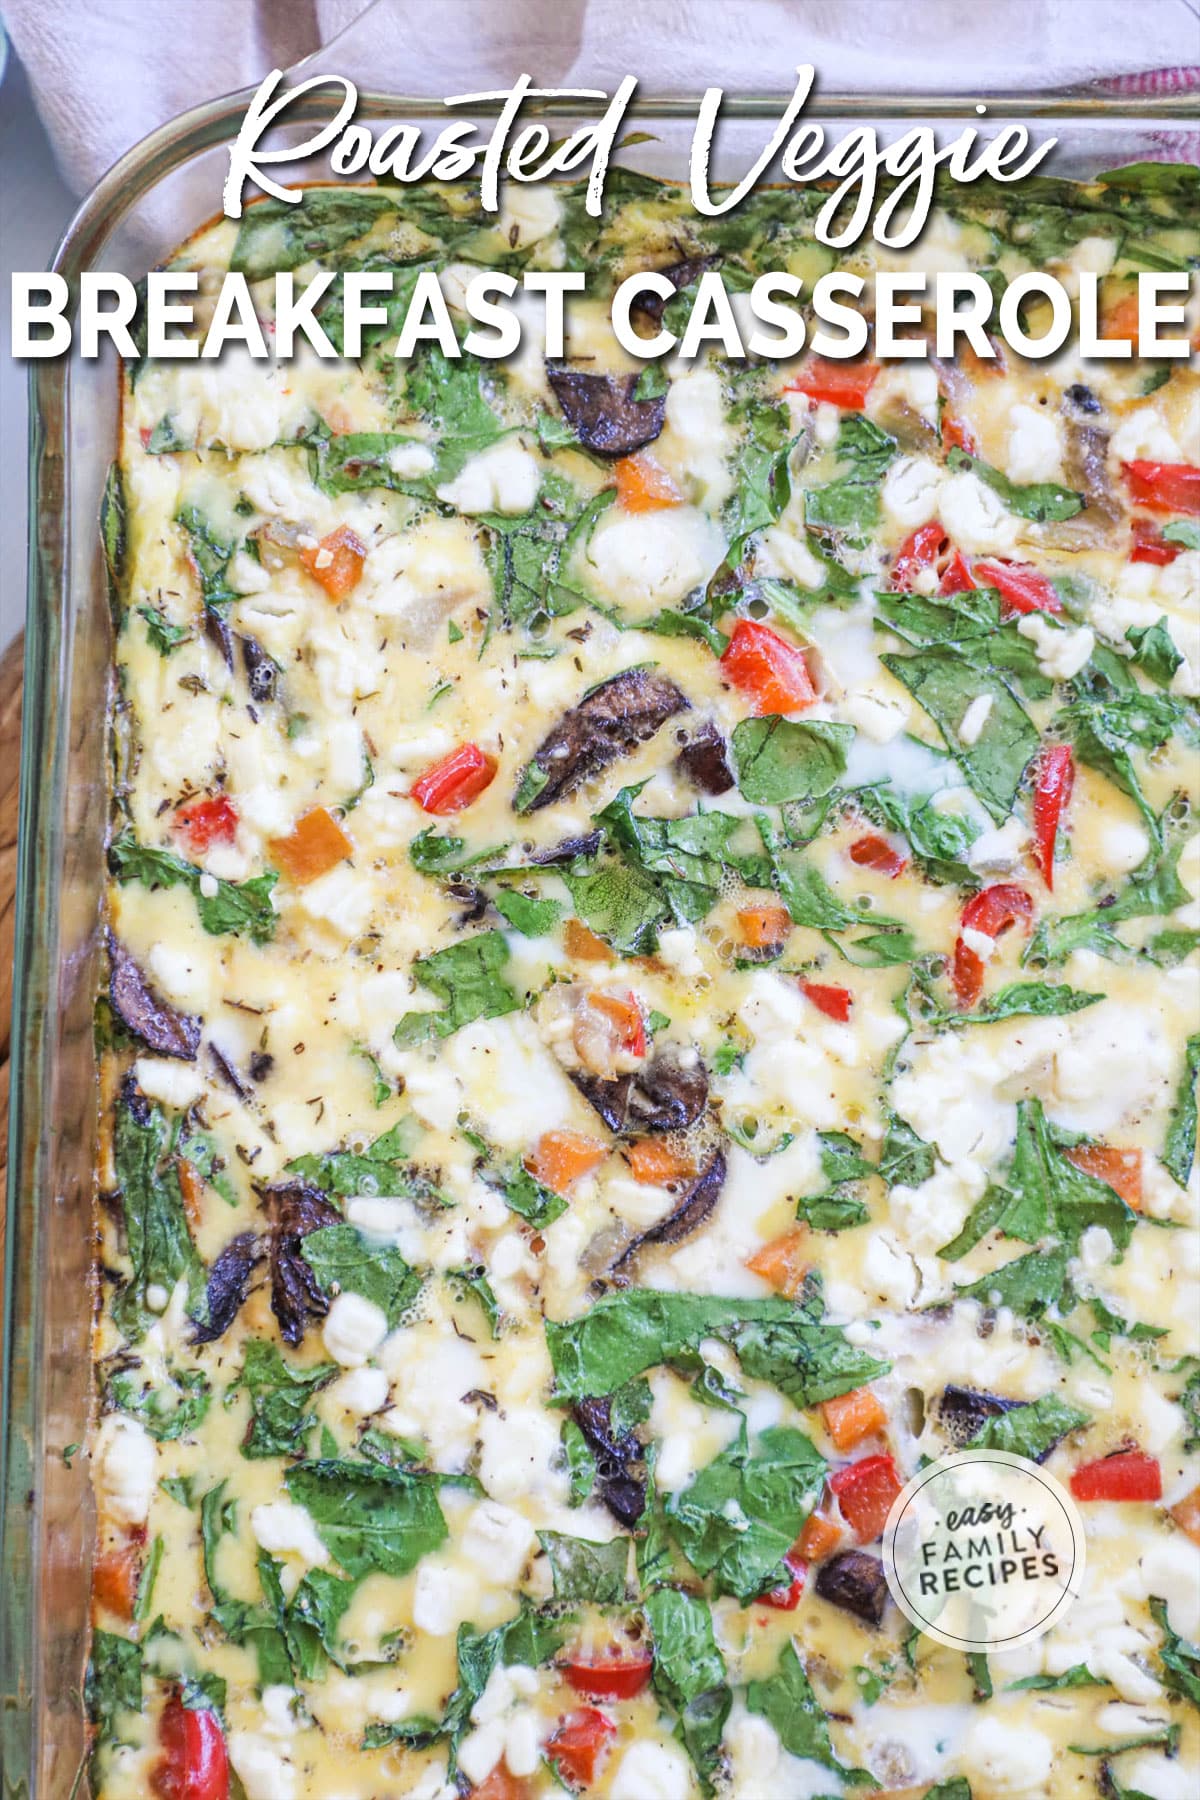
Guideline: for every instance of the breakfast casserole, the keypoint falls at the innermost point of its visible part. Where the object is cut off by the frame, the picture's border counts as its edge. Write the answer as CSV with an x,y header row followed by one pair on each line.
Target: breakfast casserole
x,y
651,990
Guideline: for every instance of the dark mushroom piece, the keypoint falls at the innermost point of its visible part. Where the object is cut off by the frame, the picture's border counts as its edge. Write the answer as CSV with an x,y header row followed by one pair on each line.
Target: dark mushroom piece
x,y
619,1486
146,1013
855,1582
217,631
228,1282
666,1095
681,275
609,722
695,1207
963,1412
704,759
295,1208
602,411
229,1074
586,844
1085,465
262,671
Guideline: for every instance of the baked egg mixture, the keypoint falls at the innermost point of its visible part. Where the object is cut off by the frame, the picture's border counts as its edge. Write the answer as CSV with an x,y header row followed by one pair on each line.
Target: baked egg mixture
x,y
652,989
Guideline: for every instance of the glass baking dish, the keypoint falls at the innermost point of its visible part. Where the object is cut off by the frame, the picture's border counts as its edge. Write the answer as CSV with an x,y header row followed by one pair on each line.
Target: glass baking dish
x,y
163,189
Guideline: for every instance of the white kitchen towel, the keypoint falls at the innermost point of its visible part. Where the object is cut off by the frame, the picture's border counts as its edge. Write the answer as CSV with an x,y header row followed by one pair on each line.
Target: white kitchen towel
x,y
106,72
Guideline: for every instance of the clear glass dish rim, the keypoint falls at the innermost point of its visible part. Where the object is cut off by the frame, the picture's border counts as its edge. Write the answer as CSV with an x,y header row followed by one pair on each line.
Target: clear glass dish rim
x,y
47,672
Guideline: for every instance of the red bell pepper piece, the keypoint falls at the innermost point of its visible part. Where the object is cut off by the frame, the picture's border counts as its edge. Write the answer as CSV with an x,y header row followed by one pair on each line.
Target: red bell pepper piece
x,y
612,1677
834,1002
991,913
1150,546
865,1491
1054,782
841,384
194,1765
1164,487
956,435
1121,1169
1021,587
874,852
455,781
767,669
956,576
207,821
579,1743
920,550
1129,1475
786,1597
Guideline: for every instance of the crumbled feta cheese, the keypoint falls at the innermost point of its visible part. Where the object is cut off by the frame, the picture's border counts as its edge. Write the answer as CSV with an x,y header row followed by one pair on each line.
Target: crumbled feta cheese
x,y
264,1772
970,726
341,899
782,554
677,948
286,1529
361,1391
173,1083
124,1462
353,1330
911,490
444,1596
279,1711
498,1541
1008,1761
881,717
1034,444
1061,651
410,461
975,518
651,1770
643,561
503,478
1124,846
1000,850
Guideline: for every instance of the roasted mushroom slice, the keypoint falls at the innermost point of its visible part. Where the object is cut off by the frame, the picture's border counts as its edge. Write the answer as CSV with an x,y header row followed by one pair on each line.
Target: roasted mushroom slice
x,y
586,844
228,1281
609,722
262,671
694,1208
668,1094
704,759
681,275
962,1412
620,1483
295,1208
602,411
855,1582
146,1013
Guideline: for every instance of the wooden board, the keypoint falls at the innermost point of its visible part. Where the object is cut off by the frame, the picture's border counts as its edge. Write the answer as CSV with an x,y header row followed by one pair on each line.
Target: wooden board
x,y
10,758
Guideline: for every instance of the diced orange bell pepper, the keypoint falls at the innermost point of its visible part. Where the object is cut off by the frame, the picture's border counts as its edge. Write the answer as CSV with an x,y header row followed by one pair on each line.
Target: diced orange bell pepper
x,y
1121,1169
115,1580
849,1418
624,1013
783,1263
315,844
643,485
191,1187
581,942
336,562
652,1161
1120,320
819,1538
764,927
1186,1514
561,1158
501,1784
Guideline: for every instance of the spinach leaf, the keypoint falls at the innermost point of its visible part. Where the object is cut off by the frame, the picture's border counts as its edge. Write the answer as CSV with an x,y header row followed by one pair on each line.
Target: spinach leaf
x,y
1039,500
778,760
280,1392
689,1675
353,461
1031,1430
280,234
530,1639
243,1621
585,1570
532,918
383,1168
625,1334
620,902
164,637
473,1280
787,1701
235,908
837,1207
156,1228
467,978
114,1681
1079,1675
1106,733
905,1160
538,1205
434,853
1154,888
1027,1285
739,1517
170,1408
1050,1196
1179,1151
762,483
1180,1660
1154,650
311,1619
849,505
447,393
370,1518
939,841
528,557
1182,531
210,555
684,858
945,685
343,1260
